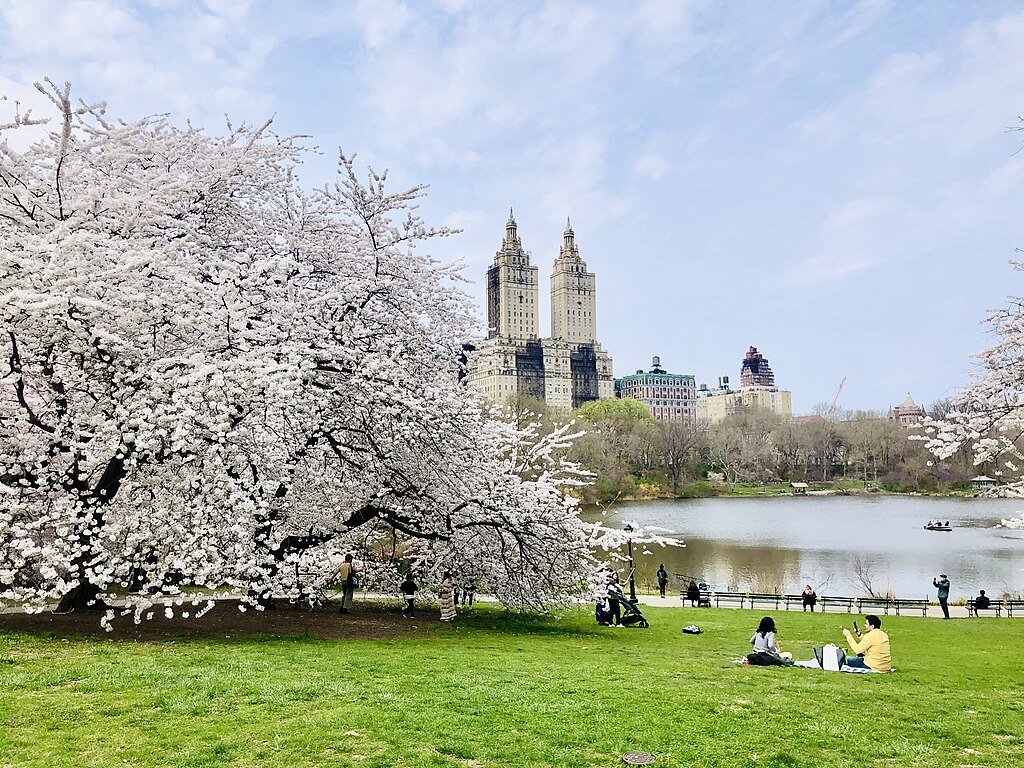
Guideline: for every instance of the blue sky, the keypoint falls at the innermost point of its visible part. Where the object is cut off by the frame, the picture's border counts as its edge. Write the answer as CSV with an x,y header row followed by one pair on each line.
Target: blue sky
x,y
833,183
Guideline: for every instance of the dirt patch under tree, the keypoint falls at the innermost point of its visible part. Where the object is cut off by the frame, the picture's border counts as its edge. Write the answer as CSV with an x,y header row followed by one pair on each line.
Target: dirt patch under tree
x,y
367,621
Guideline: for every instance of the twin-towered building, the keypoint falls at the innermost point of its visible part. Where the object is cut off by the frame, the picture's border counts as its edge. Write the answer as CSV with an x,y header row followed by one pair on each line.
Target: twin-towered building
x,y
565,370
570,368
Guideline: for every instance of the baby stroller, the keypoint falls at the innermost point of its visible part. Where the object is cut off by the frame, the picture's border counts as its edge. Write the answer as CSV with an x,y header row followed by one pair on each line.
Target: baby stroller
x,y
631,614
704,595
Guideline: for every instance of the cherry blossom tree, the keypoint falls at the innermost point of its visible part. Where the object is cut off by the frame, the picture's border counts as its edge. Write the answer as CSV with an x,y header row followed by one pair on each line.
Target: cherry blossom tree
x,y
988,414
213,372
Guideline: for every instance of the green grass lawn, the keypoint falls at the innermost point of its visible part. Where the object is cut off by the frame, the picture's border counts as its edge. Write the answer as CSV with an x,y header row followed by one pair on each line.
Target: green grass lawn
x,y
499,690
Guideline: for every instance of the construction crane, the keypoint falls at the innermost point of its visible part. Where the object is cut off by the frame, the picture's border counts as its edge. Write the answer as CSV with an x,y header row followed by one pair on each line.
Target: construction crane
x,y
832,408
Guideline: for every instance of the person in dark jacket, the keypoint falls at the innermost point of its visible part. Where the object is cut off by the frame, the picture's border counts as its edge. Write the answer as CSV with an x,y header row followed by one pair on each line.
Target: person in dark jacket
x,y
408,588
810,598
693,593
942,584
614,596
662,579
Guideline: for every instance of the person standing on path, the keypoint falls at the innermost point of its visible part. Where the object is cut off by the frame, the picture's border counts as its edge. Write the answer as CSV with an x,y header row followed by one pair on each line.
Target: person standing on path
x,y
347,576
662,579
447,593
942,584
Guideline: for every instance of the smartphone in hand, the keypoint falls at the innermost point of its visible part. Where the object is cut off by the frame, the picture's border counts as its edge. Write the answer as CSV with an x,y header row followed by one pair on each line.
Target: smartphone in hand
x,y
856,629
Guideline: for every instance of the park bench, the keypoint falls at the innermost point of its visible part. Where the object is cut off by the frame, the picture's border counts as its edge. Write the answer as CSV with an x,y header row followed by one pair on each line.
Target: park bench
x,y
897,604
993,605
873,603
901,603
729,597
840,602
769,600
789,600
703,592
1011,605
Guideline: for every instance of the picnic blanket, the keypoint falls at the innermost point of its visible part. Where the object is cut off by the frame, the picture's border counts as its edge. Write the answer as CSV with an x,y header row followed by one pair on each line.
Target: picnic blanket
x,y
813,664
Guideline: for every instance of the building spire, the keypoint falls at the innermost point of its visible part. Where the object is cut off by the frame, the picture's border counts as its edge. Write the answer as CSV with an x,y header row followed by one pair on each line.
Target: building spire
x,y
510,230
568,239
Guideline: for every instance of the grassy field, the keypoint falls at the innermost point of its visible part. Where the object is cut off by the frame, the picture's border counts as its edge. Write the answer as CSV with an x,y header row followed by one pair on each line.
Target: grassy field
x,y
500,690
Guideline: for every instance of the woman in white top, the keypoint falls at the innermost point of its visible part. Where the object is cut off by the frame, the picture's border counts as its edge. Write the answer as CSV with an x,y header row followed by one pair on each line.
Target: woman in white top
x,y
764,639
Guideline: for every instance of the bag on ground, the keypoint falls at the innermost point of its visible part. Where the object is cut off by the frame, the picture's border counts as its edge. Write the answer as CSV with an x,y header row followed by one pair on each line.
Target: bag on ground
x,y
762,659
830,657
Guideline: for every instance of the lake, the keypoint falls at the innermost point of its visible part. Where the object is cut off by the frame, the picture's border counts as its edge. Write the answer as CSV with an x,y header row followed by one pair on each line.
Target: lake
x,y
838,544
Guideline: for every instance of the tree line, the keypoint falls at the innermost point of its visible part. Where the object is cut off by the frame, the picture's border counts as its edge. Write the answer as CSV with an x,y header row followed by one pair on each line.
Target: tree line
x,y
630,453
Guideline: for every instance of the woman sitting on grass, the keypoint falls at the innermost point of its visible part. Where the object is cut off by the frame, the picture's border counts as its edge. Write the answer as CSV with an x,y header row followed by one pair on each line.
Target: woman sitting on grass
x,y
766,652
764,638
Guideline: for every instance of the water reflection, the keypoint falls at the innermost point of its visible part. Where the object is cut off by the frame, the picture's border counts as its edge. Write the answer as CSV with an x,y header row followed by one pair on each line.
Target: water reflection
x,y
840,545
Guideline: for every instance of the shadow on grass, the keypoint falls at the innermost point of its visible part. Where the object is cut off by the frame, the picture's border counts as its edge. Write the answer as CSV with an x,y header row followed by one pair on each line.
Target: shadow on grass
x,y
367,621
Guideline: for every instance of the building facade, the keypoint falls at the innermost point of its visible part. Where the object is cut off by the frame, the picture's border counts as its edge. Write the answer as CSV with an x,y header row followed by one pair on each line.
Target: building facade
x,y
668,396
755,371
909,414
757,392
565,370
713,406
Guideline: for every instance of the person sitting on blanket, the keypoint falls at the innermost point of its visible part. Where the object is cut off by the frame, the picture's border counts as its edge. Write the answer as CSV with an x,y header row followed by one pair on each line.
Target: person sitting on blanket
x,y
874,645
764,639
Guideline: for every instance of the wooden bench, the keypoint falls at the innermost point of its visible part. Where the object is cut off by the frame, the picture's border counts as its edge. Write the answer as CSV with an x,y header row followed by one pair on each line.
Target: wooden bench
x,y
729,597
897,604
845,602
769,600
1011,605
993,605
874,603
789,600
913,605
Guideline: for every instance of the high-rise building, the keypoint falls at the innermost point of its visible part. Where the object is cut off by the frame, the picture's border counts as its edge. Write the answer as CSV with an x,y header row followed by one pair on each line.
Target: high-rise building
x,y
511,290
757,391
573,294
755,371
565,370
668,396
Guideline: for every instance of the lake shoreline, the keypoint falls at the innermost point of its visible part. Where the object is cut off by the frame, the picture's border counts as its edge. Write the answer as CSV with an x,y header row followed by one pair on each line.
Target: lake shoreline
x,y
781,491
858,543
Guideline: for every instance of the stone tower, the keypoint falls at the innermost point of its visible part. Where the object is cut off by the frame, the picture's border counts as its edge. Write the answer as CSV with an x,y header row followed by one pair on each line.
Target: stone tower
x,y
573,295
511,290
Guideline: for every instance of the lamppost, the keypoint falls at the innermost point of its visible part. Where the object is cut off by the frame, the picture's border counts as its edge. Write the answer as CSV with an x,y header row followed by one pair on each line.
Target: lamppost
x,y
629,549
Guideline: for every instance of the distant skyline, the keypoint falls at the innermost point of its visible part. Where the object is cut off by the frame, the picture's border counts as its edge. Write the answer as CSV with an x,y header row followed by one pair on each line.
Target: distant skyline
x,y
833,183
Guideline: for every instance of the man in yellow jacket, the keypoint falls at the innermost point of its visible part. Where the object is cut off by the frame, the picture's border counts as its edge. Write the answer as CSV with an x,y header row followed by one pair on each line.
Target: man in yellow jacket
x,y
874,645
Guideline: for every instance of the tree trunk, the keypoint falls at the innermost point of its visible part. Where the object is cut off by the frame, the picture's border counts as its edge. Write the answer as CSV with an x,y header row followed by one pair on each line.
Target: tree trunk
x,y
82,597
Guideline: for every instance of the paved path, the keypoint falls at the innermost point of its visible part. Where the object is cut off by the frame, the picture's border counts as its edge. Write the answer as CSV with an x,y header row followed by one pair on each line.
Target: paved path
x,y
934,611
